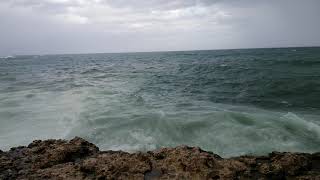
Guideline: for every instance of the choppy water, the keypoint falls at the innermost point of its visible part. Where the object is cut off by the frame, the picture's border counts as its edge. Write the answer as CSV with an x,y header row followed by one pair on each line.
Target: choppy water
x,y
230,102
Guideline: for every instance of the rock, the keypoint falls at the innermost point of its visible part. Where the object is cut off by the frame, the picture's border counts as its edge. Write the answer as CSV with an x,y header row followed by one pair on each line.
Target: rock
x,y
79,159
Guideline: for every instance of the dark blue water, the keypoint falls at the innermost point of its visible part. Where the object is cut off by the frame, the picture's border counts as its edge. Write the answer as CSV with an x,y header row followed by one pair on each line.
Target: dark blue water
x,y
231,102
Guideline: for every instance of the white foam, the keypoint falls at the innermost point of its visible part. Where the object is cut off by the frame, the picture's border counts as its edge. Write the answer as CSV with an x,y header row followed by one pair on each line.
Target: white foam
x,y
7,57
112,122
301,123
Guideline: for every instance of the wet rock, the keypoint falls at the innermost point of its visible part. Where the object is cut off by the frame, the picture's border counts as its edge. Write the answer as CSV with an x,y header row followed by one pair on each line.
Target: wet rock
x,y
116,165
79,159
25,161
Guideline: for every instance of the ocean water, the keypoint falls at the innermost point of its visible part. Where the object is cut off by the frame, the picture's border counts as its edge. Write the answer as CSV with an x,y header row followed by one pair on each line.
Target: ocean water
x,y
231,102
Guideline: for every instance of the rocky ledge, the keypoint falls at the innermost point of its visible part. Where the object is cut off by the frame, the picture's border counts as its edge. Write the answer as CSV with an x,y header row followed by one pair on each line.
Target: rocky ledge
x,y
79,159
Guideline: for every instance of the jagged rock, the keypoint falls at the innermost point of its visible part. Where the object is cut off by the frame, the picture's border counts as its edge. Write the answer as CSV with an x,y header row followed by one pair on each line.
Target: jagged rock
x,y
79,159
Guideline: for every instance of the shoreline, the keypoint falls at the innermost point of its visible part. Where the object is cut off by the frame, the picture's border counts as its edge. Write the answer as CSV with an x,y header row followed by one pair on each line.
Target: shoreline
x,y
80,159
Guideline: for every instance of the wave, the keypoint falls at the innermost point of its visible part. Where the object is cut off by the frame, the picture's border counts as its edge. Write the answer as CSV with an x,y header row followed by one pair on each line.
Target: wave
x,y
225,129
7,57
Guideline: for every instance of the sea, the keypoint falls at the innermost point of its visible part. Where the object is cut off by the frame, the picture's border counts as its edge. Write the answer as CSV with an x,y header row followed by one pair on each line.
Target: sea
x,y
230,102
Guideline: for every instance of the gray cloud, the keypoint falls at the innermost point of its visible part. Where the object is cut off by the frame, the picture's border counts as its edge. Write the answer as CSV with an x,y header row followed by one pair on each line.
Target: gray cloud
x,y
80,26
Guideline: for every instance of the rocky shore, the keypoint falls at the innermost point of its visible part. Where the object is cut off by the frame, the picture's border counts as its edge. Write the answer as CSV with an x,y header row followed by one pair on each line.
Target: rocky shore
x,y
79,159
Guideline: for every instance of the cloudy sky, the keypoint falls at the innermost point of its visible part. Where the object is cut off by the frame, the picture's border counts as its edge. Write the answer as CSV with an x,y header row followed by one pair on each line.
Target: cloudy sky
x,y
88,26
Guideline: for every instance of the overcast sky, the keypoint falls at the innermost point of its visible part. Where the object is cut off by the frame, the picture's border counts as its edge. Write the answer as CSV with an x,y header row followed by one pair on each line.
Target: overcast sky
x,y
88,26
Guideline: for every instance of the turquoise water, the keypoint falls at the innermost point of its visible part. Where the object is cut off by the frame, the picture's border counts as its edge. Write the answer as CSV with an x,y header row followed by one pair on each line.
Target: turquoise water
x,y
231,102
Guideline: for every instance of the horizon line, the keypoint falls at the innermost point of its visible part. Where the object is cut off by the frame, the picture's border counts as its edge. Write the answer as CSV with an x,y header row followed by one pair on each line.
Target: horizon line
x,y
162,51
